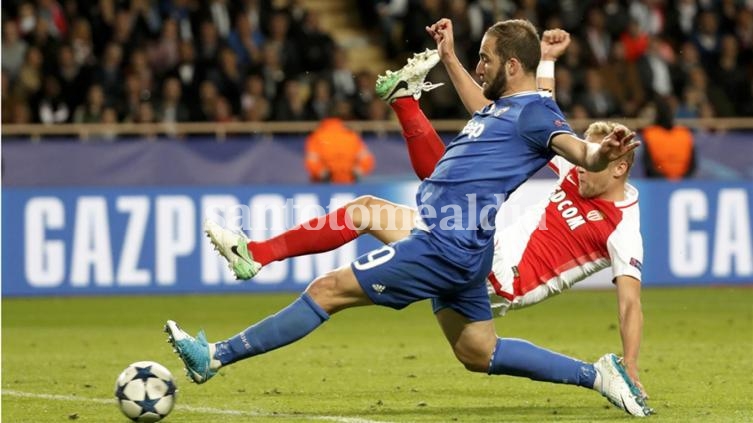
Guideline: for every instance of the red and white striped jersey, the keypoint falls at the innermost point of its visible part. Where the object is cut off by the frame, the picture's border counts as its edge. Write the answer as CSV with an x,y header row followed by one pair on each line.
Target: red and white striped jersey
x,y
562,241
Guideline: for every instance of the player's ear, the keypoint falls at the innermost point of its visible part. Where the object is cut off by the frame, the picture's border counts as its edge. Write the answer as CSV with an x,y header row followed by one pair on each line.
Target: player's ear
x,y
620,168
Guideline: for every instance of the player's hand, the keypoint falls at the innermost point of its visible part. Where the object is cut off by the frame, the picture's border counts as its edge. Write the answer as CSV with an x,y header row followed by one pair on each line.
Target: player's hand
x,y
554,42
618,143
441,32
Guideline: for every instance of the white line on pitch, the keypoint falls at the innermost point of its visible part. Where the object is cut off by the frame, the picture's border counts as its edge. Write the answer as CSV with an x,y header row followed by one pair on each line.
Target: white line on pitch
x,y
193,409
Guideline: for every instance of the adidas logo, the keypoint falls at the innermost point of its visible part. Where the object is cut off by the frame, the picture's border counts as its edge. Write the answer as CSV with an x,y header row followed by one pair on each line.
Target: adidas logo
x,y
379,288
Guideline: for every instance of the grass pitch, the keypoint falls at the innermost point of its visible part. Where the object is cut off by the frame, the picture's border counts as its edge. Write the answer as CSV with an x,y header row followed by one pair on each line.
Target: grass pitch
x,y
61,356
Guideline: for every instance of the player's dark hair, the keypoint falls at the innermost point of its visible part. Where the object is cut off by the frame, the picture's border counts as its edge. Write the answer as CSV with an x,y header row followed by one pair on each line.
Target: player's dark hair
x,y
517,38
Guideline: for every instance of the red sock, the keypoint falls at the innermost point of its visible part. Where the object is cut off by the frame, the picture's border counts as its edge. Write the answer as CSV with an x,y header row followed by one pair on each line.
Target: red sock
x,y
424,145
323,233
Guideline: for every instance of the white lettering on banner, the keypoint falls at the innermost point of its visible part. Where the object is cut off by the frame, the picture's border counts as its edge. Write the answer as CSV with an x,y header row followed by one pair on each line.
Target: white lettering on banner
x,y
223,209
91,243
137,208
268,220
732,239
306,268
688,250
175,234
44,260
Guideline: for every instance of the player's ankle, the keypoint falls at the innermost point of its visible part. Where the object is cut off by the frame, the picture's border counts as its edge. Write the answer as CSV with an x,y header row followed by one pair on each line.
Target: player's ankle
x,y
214,363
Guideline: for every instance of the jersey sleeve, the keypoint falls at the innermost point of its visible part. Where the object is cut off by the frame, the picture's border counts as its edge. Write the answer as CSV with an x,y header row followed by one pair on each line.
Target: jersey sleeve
x,y
625,247
540,121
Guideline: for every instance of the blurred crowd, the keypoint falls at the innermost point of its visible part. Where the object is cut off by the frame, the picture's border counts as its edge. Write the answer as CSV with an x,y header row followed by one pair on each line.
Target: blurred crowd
x,y
173,61
694,54
258,60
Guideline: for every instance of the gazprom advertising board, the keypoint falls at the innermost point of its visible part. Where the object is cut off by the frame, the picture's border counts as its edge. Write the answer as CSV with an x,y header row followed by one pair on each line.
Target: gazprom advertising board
x,y
62,241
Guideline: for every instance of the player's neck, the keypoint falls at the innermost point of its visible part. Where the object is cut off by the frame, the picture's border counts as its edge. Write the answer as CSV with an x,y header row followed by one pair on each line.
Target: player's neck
x,y
614,194
515,87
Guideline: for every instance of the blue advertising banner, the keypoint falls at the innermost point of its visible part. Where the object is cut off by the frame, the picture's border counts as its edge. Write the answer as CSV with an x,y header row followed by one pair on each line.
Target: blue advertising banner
x,y
65,241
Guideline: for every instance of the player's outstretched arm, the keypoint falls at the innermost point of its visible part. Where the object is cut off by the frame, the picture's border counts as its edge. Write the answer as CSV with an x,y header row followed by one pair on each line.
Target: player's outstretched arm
x,y
595,157
631,323
469,91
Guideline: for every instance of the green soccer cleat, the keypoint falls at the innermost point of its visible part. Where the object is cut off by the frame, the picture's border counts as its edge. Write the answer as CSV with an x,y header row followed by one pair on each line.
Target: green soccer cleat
x,y
409,80
234,247
618,388
196,353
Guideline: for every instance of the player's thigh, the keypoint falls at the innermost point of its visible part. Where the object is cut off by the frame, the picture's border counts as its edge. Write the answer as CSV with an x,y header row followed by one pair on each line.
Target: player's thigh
x,y
472,342
337,290
386,221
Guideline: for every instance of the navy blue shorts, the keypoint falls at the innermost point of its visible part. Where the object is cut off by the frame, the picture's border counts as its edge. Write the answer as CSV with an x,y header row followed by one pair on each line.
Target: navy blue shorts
x,y
415,269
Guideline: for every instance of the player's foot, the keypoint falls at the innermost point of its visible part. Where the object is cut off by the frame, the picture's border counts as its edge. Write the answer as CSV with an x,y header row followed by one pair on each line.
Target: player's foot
x,y
409,80
618,388
234,247
196,353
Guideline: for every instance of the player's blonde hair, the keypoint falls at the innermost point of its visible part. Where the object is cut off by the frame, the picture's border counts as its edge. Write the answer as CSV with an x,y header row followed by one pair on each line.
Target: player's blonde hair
x,y
603,128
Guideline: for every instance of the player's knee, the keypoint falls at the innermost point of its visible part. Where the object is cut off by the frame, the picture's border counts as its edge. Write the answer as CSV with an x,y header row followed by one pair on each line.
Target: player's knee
x,y
474,358
473,362
359,208
323,288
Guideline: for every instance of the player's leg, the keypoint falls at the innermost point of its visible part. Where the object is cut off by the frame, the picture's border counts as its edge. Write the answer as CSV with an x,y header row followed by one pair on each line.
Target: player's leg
x,y
402,89
395,276
386,221
382,219
477,346
326,295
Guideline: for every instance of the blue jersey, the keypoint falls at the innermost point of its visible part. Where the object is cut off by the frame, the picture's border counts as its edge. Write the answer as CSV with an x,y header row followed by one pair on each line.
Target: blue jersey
x,y
500,148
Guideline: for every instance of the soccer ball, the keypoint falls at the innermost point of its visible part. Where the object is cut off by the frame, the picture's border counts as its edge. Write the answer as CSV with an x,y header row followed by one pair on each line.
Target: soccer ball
x,y
145,391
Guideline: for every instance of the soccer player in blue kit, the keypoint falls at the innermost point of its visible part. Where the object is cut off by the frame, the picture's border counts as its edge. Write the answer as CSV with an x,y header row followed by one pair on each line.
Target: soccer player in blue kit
x,y
448,256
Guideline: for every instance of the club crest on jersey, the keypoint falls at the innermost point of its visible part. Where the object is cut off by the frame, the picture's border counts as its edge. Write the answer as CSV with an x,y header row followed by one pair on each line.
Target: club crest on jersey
x,y
473,129
595,216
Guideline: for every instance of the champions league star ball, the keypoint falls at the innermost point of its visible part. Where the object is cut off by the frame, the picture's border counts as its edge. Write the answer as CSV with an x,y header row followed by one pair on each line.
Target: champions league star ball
x,y
145,391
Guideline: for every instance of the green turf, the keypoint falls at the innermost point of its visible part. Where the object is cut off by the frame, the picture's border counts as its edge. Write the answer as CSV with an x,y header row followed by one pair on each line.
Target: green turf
x,y
374,363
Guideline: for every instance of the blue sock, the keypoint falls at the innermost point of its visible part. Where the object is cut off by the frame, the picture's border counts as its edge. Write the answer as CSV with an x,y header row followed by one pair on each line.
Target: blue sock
x,y
516,357
288,325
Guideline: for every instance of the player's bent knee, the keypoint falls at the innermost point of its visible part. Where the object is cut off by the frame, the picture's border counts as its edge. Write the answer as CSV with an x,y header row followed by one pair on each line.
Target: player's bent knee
x,y
474,361
359,209
336,291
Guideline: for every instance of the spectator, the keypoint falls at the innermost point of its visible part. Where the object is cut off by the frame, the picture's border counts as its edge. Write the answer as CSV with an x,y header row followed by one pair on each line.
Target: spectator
x,y
14,49
320,103
292,104
655,71
707,38
342,77
317,47
598,102
91,111
669,149
109,73
597,38
634,40
334,153
52,107
622,80
172,109
246,41
731,77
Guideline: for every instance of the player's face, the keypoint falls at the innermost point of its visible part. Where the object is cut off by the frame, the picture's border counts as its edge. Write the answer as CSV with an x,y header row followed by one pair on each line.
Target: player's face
x,y
594,184
490,69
